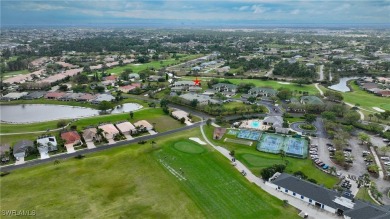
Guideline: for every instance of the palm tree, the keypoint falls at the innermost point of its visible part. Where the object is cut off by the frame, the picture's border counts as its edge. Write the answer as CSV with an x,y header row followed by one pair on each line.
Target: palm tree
x,y
282,154
370,115
332,170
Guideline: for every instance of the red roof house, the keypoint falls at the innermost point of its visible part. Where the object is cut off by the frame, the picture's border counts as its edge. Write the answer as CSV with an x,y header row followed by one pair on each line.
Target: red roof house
x,y
54,95
71,137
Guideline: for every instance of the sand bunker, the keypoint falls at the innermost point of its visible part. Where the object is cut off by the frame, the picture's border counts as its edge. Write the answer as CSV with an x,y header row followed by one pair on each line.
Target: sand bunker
x,y
198,141
284,82
378,109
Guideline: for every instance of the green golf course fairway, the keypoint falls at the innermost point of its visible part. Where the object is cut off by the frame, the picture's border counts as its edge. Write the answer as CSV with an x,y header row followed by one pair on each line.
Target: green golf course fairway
x,y
188,147
141,181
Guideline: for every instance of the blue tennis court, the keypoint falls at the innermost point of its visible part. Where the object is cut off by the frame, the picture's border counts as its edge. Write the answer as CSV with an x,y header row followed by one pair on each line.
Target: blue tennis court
x,y
296,147
271,143
248,134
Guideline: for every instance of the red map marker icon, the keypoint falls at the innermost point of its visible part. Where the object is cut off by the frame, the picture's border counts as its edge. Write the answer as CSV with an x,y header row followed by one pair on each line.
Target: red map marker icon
x,y
197,81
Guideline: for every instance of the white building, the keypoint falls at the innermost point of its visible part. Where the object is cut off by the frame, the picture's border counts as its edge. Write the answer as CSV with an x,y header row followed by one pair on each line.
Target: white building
x,y
326,199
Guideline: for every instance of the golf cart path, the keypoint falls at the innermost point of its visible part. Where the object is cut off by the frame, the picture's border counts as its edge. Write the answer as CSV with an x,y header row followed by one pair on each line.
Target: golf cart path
x,y
321,73
44,131
303,206
349,104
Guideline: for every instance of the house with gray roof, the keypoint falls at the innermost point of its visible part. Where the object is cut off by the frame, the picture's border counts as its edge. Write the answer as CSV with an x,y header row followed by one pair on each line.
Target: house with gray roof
x,y
103,97
340,203
223,87
14,96
262,92
312,100
202,99
35,95
21,148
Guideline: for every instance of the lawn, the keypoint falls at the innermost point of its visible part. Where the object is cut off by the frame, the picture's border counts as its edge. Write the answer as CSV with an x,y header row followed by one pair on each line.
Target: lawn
x,y
365,99
256,160
141,182
363,195
153,64
268,83
13,73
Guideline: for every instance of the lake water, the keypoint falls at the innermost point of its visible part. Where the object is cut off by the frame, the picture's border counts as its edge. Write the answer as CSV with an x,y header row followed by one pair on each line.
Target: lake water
x,y
342,85
27,113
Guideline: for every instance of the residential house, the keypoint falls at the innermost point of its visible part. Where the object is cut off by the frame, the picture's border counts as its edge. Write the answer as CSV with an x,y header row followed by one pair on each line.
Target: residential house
x,y
130,87
185,86
85,97
109,131
103,97
134,76
179,114
202,99
54,95
4,152
91,135
312,100
14,96
110,80
35,95
155,78
143,124
262,92
222,87
48,142
22,148
384,93
71,138
126,128
326,199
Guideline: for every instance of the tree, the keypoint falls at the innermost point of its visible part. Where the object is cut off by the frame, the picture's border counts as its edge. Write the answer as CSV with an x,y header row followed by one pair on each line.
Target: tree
x,y
63,87
208,122
310,118
131,114
351,117
329,115
124,76
105,105
282,154
332,170
251,99
370,115
363,137
284,94
384,150
81,79
194,103
339,157
61,123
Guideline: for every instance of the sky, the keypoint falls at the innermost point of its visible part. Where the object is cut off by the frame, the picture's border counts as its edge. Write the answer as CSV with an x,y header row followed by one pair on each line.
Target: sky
x,y
189,12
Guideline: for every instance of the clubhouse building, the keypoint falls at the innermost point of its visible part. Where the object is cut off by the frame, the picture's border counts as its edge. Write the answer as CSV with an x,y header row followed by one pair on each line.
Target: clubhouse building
x,y
342,204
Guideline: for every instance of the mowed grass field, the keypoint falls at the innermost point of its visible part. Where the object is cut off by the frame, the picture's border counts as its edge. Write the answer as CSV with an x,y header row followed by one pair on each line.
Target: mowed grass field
x,y
268,83
256,160
139,181
153,64
365,99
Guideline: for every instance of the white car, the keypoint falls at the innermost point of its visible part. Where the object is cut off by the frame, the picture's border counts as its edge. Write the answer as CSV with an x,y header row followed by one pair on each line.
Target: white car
x,y
387,163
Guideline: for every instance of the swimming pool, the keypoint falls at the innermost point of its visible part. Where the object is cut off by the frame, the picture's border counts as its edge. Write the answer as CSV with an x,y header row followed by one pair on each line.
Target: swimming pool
x,y
255,124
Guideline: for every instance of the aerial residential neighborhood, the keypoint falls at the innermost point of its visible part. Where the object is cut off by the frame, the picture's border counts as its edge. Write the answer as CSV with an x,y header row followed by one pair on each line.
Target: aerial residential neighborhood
x,y
195,109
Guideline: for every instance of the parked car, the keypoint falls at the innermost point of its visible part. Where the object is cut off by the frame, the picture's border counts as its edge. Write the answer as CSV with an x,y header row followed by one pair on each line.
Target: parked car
x,y
385,158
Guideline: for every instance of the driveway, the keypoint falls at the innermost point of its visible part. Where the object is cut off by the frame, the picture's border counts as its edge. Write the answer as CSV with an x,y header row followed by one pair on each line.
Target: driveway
x,y
70,148
128,137
20,161
90,144
111,141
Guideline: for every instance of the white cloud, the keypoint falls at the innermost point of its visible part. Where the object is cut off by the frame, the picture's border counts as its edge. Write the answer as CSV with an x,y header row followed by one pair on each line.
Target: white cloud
x,y
258,9
243,8
295,12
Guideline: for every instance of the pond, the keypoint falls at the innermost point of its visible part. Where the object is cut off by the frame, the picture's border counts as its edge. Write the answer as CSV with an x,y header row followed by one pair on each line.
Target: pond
x,y
27,113
342,85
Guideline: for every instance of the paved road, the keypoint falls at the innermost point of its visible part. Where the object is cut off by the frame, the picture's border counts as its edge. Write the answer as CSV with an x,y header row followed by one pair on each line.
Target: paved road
x,y
269,73
321,73
100,148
